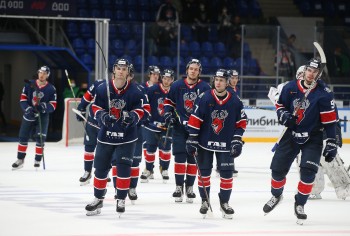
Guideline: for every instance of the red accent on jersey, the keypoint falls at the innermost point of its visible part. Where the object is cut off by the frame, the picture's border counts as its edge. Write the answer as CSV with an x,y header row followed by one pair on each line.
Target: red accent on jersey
x,y
53,104
191,169
38,150
147,108
226,184
241,124
135,172
194,122
139,113
168,102
164,156
180,168
206,181
100,183
218,101
278,106
150,157
123,183
328,117
95,109
22,148
278,184
88,96
89,156
305,188
23,97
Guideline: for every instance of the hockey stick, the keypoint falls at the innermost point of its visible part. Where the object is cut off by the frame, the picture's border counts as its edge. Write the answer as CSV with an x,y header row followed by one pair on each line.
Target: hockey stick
x,y
259,108
167,134
312,86
106,78
76,111
76,103
204,188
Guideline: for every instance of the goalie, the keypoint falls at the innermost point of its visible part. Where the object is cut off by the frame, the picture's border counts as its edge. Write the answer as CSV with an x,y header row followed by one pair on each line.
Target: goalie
x,y
335,170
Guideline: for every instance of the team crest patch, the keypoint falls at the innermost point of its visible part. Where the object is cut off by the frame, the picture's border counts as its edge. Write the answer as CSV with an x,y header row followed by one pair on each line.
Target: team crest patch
x,y
117,106
301,112
218,120
37,97
189,99
160,107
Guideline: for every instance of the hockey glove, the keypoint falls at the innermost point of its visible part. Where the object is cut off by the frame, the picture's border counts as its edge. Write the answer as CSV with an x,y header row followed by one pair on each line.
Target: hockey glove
x,y
30,114
107,120
192,145
288,120
42,107
236,147
129,119
79,118
168,119
330,151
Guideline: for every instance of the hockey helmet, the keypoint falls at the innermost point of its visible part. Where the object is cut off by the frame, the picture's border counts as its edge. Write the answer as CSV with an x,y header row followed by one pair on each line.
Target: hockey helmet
x,y
232,73
153,70
314,63
300,72
132,70
168,73
44,69
121,62
194,61
222,73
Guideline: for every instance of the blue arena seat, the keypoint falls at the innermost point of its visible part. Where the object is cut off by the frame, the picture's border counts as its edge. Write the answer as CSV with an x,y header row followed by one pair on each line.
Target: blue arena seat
x,y
78,45
118,47
131,47
90,46
86,30
207,49
205,65
72,29
229,63
88,60
184,51
220,49
152,60
166,62
195,49
186,33
119,15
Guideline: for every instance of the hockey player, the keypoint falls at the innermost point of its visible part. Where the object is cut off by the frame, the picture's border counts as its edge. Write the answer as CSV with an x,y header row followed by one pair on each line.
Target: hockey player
x,y
304,134
233,81
135,169
155,129
217,126
90,137
180,104
153,76
38,100
118,109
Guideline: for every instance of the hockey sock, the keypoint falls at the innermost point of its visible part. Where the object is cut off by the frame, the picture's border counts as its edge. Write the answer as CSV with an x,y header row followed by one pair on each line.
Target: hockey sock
x,y
88,157
278,181
307,177
226,182
38,152
114,176
123,180
150,158
191,173
206,181
180,168
164,159
135,172
100,183
21,150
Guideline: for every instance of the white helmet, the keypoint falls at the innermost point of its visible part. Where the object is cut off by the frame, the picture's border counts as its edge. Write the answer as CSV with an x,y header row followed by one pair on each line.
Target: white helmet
x,y
300,72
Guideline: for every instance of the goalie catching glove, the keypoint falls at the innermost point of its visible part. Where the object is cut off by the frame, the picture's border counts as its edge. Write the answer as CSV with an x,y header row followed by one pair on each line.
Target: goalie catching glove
x,y
330,151
236,147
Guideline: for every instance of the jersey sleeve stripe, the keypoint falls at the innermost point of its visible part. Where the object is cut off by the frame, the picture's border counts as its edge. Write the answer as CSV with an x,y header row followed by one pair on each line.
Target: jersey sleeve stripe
x,y
328,117
194,122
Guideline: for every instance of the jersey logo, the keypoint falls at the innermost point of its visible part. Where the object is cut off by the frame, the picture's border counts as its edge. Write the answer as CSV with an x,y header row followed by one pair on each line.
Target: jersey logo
x,y
189,99
301,112
160,107
218,120
37,97
117,107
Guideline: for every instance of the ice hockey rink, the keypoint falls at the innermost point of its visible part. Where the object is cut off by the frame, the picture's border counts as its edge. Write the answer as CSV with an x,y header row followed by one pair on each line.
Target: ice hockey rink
x,y
51,201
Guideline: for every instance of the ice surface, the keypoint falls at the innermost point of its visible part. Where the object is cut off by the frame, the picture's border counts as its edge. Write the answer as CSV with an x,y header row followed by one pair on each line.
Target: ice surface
x,y
51,201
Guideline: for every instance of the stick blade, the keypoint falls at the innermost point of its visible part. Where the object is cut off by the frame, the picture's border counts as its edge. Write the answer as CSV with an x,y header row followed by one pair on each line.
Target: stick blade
x,y
320,52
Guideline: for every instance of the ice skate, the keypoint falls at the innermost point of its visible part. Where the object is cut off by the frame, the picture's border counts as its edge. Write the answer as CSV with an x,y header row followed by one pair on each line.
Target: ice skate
x,y
146,175
36,164
85,179
227,211
204,208
18,164
132,195
299,212
120,207
235,173
190,195
272,203
165,176
94,208
315,196
178,194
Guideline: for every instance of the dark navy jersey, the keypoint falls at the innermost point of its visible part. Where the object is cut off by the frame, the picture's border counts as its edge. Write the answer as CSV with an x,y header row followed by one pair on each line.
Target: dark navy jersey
x,y
182,98
145,105
88,98
146,85
217,121
233,90
156,96
129,99
317,110
33,94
